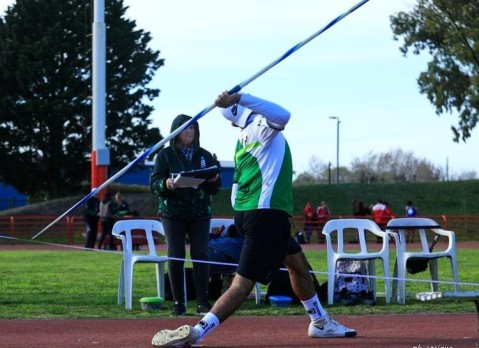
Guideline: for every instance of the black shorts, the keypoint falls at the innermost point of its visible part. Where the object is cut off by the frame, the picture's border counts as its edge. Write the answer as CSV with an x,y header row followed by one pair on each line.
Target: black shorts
x,y
268,241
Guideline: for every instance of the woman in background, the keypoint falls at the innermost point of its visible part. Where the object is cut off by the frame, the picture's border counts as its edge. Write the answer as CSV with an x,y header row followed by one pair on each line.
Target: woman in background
x,y
185,211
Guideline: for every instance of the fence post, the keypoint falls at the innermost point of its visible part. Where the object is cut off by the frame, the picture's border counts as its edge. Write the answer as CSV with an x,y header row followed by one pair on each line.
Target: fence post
x,y
70,229
12,229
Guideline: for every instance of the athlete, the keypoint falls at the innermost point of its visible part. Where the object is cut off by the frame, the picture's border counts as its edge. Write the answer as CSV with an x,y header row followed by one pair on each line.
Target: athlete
x,y
263,203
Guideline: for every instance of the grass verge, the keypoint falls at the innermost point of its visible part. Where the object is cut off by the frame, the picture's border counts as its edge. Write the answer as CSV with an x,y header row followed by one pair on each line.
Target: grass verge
x,y
74,284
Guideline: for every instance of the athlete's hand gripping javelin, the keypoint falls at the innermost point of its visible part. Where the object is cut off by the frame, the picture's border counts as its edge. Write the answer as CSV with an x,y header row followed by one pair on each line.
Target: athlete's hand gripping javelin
x,y
225,99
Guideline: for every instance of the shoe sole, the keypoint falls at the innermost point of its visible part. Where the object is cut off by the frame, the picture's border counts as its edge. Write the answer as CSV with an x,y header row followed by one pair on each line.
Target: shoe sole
x,y
346,334
183,336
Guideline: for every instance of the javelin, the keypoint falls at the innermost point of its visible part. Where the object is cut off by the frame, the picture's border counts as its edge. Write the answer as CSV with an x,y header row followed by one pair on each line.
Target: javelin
x,y
233,90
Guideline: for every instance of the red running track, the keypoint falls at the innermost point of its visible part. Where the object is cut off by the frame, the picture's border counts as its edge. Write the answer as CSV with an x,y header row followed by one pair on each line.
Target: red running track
x,y
381,331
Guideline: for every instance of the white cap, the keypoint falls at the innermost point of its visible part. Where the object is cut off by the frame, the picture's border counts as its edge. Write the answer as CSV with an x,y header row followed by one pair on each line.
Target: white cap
x,y
237,114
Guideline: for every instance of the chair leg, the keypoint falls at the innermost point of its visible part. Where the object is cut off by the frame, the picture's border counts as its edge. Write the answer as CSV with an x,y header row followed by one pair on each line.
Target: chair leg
x,y
394,291
257,287
331,280
372,272
128,285
455,276
387,280
402,282
121,283
434,274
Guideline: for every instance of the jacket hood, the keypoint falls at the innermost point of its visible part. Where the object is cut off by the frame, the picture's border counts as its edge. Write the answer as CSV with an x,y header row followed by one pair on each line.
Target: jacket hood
x,y
180,120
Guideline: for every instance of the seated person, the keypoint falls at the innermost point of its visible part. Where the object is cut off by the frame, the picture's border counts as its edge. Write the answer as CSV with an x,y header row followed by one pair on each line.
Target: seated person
x,y
225,249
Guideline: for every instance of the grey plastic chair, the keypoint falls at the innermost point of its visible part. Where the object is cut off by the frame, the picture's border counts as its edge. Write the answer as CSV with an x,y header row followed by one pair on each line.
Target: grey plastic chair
x,y
397,228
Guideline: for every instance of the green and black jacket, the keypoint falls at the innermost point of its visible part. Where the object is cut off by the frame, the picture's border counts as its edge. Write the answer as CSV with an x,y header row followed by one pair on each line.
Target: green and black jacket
x,y
183,203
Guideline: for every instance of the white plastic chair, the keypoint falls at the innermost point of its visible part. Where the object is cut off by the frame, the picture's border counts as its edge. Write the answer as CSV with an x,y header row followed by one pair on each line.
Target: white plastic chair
x,y
219,223
362,250
398,228
123,230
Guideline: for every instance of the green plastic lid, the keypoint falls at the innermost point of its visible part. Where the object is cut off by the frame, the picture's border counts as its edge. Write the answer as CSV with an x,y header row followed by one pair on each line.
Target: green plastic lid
x,y
152,300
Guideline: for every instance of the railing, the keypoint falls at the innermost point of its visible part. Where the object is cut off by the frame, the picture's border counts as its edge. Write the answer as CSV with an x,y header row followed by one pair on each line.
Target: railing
x,y
466,227
71,229
25,227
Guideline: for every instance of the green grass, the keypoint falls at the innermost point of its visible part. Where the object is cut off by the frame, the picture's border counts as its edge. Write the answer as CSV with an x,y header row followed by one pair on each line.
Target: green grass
x,y
458,200
433,198
83,284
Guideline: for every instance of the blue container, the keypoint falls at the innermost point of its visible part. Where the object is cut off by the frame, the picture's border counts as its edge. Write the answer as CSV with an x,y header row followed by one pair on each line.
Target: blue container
x,y
280,300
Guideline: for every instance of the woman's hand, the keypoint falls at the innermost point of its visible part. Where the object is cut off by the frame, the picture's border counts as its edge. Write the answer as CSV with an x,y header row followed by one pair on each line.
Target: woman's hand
x,y
214,179
170,184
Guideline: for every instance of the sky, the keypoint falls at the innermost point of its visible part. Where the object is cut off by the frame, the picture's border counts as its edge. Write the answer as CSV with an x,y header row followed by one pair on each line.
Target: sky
x,y
353,71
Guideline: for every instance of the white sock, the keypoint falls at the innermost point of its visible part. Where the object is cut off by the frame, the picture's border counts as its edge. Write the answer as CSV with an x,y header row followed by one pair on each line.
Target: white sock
x,y
314,308
207,324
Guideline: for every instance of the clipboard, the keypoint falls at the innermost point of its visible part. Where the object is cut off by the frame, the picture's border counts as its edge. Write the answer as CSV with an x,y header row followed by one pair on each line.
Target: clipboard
x,y
204,173
186,181
193,178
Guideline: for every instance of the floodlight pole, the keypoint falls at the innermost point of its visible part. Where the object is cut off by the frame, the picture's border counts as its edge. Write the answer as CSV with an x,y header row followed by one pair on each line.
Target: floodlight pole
x,y
100,155
337,146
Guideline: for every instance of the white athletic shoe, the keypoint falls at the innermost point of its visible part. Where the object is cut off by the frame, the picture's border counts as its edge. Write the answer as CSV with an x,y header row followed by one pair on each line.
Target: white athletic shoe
x,y
327,327
185,335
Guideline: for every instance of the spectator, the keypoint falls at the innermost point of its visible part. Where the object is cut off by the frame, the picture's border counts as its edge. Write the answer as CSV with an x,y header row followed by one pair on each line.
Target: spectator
x,y
411,211
381,216
388,214
107,220
309,214
185,211
323,212
122,207
90,216
225,249
377,212
358,210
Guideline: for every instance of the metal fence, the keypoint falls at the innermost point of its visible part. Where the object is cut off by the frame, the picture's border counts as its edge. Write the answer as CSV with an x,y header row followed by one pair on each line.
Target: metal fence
x,y
71,229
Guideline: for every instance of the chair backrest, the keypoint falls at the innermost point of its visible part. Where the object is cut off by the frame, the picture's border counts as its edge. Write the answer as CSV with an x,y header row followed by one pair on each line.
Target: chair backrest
x,y
362,227
412,223
123,229
399,226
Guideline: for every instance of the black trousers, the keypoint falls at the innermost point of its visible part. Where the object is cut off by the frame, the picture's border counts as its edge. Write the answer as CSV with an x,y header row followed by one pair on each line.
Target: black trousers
x,y
106,228
197,232
92,231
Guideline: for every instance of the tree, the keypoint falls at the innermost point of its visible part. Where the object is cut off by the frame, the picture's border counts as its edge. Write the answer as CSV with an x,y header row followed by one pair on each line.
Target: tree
x,y
320,173
45,89
393,166
448,30
317,173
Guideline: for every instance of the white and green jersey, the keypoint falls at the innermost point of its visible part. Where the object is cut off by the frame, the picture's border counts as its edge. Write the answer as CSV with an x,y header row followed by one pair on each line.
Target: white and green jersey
x,y
263,165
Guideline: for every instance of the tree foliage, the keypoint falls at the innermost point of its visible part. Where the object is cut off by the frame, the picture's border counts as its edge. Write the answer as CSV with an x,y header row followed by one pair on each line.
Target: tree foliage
x,y
389,167
46,88
321,173
449,31
392,167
